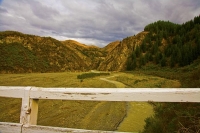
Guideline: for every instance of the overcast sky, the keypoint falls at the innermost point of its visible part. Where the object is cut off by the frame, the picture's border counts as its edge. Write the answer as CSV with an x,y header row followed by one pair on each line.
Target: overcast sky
x,y
96,22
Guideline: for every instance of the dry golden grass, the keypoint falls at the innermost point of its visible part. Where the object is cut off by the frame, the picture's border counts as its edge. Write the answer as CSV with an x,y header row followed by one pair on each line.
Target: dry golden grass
x,y
135,80
83,114
72,114
65,79
137,113
10,109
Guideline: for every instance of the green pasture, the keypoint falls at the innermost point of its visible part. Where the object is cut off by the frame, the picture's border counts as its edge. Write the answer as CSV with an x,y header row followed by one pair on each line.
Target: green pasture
x,y
121,116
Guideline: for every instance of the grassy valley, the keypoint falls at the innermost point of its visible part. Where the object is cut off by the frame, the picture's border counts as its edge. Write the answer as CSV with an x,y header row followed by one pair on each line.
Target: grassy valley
x,y
119,116
164,55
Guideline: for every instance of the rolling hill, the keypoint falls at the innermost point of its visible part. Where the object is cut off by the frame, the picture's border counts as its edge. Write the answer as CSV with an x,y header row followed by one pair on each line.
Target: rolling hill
x,y
162,43
21,53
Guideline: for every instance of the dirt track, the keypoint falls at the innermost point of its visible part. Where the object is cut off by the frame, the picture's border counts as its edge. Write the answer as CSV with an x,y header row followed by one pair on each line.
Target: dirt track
x,y
117,84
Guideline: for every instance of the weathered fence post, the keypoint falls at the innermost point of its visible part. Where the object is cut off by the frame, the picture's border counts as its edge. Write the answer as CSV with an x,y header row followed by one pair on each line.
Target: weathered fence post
x,y
25,106
33,111
29,109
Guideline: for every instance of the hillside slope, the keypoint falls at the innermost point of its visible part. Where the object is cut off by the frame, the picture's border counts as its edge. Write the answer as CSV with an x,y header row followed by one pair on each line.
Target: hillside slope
x,y
29,53
117,58
88,54
167,45
162,43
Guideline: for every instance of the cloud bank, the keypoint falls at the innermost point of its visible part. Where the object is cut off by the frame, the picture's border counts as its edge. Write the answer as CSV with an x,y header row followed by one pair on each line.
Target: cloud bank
x,y
95,22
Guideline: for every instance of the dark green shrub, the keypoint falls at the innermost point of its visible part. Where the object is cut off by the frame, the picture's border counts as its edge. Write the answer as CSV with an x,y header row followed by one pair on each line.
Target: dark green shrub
x,y
91,75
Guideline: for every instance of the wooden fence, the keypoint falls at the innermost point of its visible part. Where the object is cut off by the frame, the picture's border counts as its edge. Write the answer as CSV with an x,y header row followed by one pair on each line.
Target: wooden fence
x,y
31,95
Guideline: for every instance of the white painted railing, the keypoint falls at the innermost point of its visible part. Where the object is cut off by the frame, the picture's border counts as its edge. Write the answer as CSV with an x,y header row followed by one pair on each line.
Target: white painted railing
x,y
31,95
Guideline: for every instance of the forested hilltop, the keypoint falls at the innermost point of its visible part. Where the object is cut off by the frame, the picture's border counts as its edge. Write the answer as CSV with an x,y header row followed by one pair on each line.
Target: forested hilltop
x,y
167,44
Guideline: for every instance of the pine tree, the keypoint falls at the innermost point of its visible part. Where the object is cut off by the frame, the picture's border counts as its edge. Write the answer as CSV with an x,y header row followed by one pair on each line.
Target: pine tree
x,y
198,47
154,48
137,51
163,61
134,60
129,64
197,20
150,57
143,46
134,64
142,61
147,57
179,57
172,61
158,57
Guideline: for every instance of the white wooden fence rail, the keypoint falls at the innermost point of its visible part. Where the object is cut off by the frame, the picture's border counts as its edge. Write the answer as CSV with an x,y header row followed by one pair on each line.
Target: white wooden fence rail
x,y
31,95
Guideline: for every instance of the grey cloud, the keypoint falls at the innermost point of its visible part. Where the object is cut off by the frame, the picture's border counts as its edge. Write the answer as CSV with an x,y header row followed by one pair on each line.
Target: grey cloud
x,y
98,22
3,10
42,11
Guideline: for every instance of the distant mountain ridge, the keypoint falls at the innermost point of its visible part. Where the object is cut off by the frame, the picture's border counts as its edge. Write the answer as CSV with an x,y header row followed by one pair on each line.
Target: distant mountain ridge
x,y
161,43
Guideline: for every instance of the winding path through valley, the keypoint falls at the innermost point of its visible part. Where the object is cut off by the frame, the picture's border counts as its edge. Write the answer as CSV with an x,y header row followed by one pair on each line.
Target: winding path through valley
x,y
123,123
130,122
116,83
